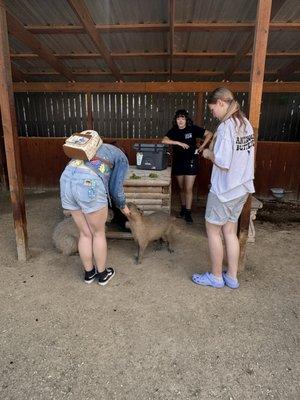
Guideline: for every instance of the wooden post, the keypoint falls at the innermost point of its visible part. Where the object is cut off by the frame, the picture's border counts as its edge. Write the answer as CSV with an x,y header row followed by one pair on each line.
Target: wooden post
x,y
89,111
256,88
11,140
199,109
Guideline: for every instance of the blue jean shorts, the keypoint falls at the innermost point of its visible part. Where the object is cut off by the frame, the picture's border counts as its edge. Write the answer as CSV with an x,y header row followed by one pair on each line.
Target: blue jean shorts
x,y
219,213
81,189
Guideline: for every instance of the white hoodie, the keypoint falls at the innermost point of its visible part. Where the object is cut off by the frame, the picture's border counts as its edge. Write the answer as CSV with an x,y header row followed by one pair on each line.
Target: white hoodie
x,y
233,170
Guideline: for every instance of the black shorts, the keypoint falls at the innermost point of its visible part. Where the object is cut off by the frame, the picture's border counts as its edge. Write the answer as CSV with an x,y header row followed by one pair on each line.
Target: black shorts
x,y
186,166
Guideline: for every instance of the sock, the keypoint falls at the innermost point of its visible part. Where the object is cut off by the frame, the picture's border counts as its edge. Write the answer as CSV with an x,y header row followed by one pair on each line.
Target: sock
x,y
188,211
218,278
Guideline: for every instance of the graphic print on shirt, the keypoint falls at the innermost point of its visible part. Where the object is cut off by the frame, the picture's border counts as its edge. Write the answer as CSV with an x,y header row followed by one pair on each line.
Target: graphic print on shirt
x,y
244,142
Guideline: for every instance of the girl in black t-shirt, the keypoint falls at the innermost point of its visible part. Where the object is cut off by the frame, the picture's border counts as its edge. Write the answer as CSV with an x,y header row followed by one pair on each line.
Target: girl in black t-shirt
x,y
185,165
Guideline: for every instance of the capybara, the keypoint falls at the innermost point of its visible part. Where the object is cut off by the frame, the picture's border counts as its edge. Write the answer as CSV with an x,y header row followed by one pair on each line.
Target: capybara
x,y
65,236
148,228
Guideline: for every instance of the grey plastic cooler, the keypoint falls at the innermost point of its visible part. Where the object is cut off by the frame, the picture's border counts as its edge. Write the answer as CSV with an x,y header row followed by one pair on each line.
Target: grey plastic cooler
x,y
151,156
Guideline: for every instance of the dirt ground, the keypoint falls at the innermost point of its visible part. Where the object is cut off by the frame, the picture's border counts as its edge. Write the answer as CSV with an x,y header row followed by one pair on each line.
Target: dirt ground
x,y
151,333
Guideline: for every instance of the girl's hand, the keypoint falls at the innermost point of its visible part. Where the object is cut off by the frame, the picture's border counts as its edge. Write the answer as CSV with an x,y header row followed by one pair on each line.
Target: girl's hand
x,y
200,149
125,211
207,154
183,145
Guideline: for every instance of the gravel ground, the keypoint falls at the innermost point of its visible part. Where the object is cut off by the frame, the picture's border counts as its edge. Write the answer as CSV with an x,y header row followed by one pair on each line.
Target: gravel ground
x,y
151,333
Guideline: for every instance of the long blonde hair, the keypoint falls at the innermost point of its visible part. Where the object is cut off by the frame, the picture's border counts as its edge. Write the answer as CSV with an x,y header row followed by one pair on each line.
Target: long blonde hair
x,y
234,109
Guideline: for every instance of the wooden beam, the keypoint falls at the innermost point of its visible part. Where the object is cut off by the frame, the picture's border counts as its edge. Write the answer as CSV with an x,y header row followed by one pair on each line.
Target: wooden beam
x,y
161,27
203,54
10,135
233,26
284,26
75,56
3,165
287,70
255,95
150,87
171,33
83,14
62,29
199,108
17,30
97,72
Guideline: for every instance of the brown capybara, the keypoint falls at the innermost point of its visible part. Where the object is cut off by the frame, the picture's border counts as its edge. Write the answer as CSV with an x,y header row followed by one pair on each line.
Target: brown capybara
x,y
148,228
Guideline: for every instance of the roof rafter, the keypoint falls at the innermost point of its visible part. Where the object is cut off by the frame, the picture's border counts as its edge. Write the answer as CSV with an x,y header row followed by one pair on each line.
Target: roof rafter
x,y
150,87
152,72
82,12
203,54
16,29
158,27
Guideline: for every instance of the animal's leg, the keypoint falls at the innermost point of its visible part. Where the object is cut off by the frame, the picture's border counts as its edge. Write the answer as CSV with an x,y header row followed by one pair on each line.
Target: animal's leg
x,y
142,248
169,241
136,257
158,244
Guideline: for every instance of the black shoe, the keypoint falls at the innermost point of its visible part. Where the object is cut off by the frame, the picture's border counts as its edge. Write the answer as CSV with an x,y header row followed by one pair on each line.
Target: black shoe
x,y
188,217
90,276
105,276
182,212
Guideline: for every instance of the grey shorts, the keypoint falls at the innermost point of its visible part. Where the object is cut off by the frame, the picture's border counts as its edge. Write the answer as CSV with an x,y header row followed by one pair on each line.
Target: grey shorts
x,y
219,213
82,190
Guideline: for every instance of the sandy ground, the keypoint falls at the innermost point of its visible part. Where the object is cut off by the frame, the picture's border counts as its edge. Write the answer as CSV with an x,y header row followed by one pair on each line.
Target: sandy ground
x,y
151,333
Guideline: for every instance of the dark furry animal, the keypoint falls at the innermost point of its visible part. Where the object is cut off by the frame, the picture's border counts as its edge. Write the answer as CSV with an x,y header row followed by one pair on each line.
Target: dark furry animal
x,y
146,229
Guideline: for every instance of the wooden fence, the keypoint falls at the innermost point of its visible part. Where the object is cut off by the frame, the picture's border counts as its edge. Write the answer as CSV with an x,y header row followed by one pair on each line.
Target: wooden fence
x,y
277,165
142,115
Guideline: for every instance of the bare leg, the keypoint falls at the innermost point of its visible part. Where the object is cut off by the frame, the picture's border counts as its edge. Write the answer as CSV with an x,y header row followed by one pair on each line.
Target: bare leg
x,y
96,221
215,247
232,247
85,242
188,190
180,181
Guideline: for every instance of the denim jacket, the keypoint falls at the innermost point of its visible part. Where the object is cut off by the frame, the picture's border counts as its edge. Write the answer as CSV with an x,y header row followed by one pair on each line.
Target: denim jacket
x,y
112,173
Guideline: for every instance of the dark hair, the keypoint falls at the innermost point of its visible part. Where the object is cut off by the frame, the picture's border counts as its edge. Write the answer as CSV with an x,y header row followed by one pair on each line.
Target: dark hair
x,y
227,96
182,113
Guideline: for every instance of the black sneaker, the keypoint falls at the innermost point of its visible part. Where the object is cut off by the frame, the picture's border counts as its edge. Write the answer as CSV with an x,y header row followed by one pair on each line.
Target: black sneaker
x,y
182,212
105,276
188,217
90,276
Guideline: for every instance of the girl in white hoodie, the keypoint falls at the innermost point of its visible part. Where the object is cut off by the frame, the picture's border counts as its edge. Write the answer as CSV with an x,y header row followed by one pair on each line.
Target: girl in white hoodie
x,y
231,182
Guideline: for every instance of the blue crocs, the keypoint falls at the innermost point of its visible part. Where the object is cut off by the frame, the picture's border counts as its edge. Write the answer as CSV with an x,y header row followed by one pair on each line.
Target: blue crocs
x,y
233,283
208,279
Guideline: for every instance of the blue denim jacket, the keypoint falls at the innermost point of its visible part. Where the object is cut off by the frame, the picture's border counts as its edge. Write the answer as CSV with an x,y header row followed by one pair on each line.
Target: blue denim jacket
x,y
113,175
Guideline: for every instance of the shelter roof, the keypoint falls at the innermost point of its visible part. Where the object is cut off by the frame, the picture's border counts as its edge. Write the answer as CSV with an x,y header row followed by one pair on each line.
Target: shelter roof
x,y
157,40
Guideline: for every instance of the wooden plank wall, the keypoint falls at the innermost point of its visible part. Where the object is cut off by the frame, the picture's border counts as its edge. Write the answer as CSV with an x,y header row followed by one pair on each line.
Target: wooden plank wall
x,y
277,165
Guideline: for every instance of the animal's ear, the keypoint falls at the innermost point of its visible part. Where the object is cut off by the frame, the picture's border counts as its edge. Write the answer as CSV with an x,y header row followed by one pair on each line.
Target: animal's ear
x,y
140,211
